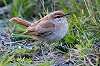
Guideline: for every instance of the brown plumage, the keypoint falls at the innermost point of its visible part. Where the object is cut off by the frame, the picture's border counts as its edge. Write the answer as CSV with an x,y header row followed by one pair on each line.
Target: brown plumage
x,y
51,28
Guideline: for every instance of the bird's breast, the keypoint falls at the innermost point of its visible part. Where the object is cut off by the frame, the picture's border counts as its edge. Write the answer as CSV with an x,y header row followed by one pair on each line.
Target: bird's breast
x,y
57,34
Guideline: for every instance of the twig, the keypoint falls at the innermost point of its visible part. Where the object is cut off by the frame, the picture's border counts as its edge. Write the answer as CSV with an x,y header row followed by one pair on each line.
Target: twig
x,y
89,61
85,61
53,8
44,10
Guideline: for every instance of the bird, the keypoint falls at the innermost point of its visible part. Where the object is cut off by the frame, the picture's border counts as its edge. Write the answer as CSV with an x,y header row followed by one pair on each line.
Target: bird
x,y
51,28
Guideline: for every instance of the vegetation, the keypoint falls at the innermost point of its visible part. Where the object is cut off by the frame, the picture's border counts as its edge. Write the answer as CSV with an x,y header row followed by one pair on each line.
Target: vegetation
x,y
80,47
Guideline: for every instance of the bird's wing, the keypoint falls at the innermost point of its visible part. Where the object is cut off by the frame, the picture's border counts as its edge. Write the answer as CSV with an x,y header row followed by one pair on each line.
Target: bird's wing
x,y
40,28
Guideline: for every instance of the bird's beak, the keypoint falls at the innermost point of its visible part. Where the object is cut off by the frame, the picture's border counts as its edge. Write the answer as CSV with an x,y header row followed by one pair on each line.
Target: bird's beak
x,y
67,14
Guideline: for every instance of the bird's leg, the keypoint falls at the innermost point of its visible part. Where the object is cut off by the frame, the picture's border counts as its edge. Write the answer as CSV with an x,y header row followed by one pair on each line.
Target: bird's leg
x,y
50,54
41,47
50,47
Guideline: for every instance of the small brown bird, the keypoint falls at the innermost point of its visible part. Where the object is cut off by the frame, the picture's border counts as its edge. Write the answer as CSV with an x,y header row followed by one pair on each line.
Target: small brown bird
x,y
51,28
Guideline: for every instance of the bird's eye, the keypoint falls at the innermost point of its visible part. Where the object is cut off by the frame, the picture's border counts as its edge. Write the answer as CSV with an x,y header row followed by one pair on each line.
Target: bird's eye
x,y
57,16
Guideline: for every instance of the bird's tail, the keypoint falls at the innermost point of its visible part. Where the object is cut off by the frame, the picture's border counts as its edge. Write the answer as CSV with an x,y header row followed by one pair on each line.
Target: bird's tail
x,y
20,21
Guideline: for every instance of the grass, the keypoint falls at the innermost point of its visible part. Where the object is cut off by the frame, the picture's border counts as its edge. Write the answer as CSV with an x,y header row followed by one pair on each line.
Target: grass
x,y
80,45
